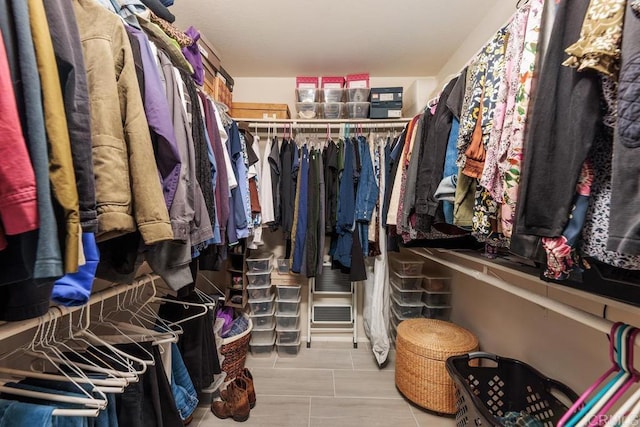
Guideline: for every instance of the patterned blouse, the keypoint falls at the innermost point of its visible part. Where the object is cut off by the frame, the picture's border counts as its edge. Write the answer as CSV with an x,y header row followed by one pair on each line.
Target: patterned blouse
x,y
600,38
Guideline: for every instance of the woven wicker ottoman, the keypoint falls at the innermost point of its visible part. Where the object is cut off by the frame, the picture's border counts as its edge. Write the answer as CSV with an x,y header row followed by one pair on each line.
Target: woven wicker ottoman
x,y
422,347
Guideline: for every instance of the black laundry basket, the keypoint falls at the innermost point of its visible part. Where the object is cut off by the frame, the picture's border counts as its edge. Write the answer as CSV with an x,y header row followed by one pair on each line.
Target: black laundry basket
x,y
487,392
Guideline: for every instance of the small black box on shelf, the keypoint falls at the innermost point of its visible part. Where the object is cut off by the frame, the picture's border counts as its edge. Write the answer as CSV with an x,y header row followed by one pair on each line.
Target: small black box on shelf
x,y
385,112
386,94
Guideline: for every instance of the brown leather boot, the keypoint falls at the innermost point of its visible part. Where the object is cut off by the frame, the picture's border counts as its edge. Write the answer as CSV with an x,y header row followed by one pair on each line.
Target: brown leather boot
x,y
236,403
251,392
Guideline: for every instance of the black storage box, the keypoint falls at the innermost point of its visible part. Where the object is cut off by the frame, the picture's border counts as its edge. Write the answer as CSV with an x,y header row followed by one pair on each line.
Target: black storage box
x,y
386,94
376,112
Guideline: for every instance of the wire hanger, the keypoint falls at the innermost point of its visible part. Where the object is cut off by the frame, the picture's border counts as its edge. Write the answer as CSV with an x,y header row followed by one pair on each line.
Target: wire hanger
x,y
37,345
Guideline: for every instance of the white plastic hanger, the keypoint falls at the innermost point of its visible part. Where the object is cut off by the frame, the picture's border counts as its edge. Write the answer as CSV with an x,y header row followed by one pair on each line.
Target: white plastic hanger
x,y
41,336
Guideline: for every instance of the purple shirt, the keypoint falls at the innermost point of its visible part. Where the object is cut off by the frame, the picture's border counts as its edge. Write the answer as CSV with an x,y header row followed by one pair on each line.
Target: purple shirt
x,y
160,120
193,55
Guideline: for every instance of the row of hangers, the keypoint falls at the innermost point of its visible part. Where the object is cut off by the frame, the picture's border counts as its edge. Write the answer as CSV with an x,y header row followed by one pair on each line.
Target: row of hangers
x,y
592,408
315,137
74,351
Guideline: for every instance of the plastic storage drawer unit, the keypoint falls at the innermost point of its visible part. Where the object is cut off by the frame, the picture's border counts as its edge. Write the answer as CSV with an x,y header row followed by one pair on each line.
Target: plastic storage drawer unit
x,y
259,265
437,284
358,94
333,110
436,299
283,265
288,337
288,292
288,307
260,292
333,95
259,279
358,110
407,310
262,306
262,337
288,350
406,296
439,313
407,267
262,350
307,110
406,282
287,322
263,320
307,94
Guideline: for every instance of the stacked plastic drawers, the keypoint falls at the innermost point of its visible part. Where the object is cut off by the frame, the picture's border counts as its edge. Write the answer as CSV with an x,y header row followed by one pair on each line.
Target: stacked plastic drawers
x,y
415,295
329,103
262,303
288,320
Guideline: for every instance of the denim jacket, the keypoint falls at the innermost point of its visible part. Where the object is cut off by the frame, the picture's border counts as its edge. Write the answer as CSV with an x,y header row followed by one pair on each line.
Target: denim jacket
x,y
367,194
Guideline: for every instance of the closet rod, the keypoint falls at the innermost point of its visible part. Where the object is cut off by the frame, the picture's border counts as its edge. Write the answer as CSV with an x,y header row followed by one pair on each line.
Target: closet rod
x,y
322,124
9,329
580,316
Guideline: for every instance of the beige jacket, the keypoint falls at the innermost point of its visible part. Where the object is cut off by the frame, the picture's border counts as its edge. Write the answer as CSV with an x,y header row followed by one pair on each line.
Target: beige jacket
x,y
128,189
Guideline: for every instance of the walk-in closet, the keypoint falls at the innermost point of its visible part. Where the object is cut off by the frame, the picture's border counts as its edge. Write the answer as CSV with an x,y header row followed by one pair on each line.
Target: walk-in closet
x,y
309,214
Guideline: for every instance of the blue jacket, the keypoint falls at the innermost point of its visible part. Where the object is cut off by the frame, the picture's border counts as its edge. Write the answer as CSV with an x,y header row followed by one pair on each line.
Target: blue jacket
x,y
346,209
367,194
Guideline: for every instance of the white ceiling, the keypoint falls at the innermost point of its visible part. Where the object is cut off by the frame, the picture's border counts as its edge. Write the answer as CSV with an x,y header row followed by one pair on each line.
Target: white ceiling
x,y
277,38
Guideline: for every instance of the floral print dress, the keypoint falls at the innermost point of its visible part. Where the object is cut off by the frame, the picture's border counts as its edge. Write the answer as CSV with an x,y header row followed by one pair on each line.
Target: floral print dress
x,y
510,164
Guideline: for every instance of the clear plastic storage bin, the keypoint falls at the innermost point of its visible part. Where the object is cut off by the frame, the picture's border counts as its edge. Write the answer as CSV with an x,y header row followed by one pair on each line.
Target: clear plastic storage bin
x,y
406,310
288,292
307,94
307,110
394,319
264,320
436,299
439,313
437,284
333,95
288,350
288,337
283,266
259,279
287,322
333,110
405,282
262,337
262,306
262,350
407,267
288,307
360,94
259,265
261,292
406,296
358,110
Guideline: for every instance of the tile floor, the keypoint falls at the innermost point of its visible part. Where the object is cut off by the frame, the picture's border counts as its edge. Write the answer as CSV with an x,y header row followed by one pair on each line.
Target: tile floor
x,y
330,385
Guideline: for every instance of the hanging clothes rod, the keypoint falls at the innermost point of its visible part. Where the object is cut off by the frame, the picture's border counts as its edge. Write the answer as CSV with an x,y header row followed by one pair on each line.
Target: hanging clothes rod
x,y
9,329
323,124
580,316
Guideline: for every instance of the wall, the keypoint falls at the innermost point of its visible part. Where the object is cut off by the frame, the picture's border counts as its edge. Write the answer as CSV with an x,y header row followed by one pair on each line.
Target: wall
x,y
281,90
496,17
510,326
